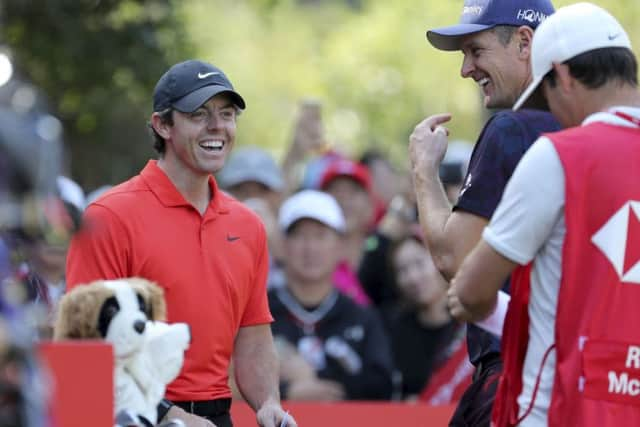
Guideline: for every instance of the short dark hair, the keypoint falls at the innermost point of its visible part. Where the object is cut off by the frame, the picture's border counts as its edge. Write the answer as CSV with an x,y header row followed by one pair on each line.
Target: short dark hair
x,y
159,144
504,33
597,67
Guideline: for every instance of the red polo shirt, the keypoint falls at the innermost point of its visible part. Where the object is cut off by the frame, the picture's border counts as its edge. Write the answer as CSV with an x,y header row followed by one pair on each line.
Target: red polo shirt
x,y
213,267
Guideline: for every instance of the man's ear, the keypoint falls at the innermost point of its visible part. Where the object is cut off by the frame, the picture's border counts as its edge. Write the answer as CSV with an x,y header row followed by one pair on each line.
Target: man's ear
x,y
524,38
160,126
563,77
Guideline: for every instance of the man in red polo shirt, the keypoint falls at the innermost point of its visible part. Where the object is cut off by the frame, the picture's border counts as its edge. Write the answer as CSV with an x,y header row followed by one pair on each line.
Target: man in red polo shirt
x,y
172,225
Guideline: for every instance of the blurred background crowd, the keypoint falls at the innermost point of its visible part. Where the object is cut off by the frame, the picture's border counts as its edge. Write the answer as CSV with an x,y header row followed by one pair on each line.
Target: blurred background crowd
x,y
333,89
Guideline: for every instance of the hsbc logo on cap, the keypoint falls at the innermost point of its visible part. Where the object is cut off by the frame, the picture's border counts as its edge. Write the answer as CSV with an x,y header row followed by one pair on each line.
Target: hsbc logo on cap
x,y
531,15
619,241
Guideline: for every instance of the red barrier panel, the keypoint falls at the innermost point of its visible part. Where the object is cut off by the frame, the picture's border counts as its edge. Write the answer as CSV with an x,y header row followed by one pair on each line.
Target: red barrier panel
x,y
82,372
352,414
82,382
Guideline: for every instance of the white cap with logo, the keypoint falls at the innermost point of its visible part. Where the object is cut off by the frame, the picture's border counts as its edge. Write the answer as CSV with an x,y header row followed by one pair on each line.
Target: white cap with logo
x,y
311,204
569,32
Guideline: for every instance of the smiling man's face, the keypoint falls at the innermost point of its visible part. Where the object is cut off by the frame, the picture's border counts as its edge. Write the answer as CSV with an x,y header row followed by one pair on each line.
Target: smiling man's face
x,y
501,70
202,140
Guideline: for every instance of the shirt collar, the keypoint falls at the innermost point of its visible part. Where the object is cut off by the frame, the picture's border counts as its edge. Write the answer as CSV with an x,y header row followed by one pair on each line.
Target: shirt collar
x,y
169,195
609,116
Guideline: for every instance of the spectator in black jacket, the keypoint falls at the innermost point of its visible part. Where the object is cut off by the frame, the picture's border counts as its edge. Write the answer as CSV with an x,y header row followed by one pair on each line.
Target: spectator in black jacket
x,y
331,348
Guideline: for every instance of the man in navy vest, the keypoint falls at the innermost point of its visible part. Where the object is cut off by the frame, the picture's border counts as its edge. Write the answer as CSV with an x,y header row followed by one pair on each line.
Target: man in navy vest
x,y
569,223
495,38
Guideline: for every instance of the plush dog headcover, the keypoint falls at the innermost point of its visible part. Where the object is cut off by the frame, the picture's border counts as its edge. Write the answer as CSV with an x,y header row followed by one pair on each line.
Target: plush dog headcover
x,y
85,307
148,353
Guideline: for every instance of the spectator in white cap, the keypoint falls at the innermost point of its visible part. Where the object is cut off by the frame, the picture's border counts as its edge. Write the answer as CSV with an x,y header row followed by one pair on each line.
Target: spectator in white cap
x,y
47,261
71,192
342,343
568,226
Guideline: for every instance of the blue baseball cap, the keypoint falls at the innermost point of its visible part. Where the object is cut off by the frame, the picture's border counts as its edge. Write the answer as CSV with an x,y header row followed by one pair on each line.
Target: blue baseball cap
x,y
188,85
480,15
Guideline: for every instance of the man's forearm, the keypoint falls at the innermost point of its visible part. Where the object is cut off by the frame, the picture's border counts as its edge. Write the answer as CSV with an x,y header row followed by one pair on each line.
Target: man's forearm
x,y
256,366
480,278
450,235
434,210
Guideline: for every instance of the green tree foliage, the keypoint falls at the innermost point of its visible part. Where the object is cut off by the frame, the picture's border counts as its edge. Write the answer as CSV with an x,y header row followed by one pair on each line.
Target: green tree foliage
x,y
368,61
370,65
98,62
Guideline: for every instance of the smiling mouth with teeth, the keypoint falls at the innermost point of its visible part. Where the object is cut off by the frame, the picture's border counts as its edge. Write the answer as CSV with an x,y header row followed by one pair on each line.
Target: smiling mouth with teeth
x,y
483,82
212,145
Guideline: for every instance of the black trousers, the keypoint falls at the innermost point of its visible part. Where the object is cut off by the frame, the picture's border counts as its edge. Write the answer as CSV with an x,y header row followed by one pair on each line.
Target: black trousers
x,y
216,411
476,404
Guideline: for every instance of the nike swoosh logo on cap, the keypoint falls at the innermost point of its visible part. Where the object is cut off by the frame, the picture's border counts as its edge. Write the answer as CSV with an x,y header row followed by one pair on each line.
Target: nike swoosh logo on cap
x,y
205,75
614,36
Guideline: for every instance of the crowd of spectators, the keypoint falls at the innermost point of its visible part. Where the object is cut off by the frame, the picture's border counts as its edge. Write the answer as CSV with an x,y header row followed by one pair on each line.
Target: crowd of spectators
x,y
359,309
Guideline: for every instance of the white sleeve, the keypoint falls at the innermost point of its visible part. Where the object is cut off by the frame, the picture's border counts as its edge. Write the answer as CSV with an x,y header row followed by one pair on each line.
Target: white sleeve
x,y
532,203
495,321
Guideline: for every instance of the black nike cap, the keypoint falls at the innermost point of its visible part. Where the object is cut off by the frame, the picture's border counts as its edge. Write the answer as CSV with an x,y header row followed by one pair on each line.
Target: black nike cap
x,y
188,85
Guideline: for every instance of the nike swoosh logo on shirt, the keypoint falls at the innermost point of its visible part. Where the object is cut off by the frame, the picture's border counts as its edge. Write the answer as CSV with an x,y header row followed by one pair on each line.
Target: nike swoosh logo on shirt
x,y
205,75
232,238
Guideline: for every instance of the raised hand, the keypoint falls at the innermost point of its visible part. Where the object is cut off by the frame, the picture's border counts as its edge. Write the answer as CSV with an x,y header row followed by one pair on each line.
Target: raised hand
x,y
428,143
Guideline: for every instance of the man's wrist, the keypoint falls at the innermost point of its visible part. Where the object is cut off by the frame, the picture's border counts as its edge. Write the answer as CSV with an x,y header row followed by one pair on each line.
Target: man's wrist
x,y
163,408
426,178
270,401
